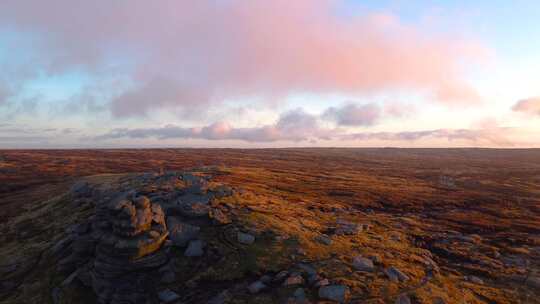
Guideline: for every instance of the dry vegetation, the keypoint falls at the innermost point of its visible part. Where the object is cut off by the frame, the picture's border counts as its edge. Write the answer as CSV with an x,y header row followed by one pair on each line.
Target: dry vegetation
x,y
475,212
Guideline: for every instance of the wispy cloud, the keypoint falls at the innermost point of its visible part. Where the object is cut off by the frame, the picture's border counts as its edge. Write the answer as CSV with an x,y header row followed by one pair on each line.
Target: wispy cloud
x,y
493,137
354,115
529,106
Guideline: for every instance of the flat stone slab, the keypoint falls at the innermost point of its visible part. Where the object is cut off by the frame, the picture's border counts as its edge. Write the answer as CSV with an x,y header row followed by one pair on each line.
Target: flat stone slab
x,y
168,296
245,238
181,233
195,249
338,293
363,264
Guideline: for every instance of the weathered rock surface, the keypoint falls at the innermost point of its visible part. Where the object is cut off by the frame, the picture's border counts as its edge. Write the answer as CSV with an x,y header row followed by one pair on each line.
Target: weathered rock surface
x,y
245,238
194,249
256,287
338,293
181,233
295,279
403,299
395,274
132,232
363,264
168,296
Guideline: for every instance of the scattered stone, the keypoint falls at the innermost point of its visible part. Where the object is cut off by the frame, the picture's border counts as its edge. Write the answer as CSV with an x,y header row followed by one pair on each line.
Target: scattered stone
x,y
324,239
299,295
245,238
403,299
320,283
474,279
168,296
310,270
181,233
347,228
256,287
280,276
294,279
395,274
338,293
363,264
195,249
266,279
313,278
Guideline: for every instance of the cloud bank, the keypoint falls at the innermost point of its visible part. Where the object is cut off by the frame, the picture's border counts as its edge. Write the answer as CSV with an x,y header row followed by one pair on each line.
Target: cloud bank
x,y
354,115
529,106
299,126
197,54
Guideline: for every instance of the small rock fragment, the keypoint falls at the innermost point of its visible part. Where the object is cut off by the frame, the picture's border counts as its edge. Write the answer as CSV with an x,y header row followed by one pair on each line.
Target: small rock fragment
x,y
475,280
363,264
256,287
395,274
281,275
168,296
322,282
266,279
299,294
195,249
338,293
294,280
403,299
324,239
245,238
310,270
181,233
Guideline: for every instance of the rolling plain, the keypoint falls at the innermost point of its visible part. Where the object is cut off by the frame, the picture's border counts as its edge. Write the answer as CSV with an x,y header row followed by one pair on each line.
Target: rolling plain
x,y
313,225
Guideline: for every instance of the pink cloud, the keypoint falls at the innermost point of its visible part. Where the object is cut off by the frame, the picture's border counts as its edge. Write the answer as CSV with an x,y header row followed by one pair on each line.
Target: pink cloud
x,y
194,54
528,106
354,115
299,126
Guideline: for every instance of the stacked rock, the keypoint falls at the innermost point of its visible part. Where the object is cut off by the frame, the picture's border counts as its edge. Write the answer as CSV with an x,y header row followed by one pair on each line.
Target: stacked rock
x,y
132,230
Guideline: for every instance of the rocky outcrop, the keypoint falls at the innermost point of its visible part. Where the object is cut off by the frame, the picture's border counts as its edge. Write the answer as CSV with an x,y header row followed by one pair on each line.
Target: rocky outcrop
x,y
122,251
132,231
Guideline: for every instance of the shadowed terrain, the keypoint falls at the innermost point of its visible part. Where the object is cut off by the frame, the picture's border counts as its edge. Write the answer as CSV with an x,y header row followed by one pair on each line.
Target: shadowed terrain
x,y
352,225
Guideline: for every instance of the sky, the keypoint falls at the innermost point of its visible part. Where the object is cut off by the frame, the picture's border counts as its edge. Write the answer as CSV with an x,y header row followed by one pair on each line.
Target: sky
x,y
254,74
